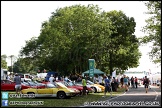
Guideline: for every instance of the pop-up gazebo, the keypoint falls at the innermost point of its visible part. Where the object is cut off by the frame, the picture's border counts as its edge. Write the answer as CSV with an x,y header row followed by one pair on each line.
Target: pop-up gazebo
x,y
96,72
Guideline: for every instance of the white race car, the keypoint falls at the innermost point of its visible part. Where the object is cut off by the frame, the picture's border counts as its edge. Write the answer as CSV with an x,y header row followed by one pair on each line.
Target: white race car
x,y
94,87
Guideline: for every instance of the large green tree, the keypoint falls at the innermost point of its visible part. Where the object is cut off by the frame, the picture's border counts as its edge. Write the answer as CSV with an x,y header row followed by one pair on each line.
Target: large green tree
x,y
74,34
123,48
153,29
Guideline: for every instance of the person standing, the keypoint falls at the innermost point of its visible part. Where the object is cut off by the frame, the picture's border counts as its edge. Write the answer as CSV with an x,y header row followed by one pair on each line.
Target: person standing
x,y
100,78
146,83
51,79
66,78
79,79
84,83
125,80
121,80
7,77
17,80
136,82
132,82
95,79
107,86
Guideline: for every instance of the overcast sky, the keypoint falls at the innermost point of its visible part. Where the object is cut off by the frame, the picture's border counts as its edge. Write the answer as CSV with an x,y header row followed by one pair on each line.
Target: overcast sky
x,y
21,20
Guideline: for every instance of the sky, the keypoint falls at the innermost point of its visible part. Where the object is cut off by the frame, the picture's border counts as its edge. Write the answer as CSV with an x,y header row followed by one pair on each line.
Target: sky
x,y
21,20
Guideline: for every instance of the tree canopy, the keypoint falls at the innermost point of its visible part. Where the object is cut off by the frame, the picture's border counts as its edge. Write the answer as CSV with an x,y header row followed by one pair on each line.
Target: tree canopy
x,y
74,34
153,29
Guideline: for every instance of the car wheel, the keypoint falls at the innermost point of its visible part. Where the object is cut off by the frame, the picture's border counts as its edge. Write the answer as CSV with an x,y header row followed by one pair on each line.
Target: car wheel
x,y
61,95
94,89
87,92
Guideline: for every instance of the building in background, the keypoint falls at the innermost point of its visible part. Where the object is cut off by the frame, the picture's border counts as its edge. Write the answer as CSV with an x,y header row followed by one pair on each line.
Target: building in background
x,y
4,73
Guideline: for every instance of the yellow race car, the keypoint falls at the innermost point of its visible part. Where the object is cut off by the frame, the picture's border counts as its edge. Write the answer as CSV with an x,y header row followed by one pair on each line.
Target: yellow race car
x,y
52,90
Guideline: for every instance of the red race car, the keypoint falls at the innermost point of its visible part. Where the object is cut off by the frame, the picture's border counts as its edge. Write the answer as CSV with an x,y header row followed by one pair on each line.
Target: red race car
x,y
10,85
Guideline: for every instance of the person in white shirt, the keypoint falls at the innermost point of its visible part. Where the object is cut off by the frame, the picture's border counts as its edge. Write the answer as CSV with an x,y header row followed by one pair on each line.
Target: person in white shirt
x,y
66,78
51,79
95,79
57,78
8,77
119,77
100,78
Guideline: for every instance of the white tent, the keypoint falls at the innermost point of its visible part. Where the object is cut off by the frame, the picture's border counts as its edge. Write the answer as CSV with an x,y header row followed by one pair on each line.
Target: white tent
x,y
3,73
139,75
154,77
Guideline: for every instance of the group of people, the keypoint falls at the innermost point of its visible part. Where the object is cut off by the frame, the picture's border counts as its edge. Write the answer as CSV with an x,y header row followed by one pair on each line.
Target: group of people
x,y
126,82
134,83
113,81
111,84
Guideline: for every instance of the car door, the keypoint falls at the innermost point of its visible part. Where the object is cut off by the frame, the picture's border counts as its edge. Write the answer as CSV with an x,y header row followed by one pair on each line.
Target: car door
x,y
3,85
7,85
10,85
47,90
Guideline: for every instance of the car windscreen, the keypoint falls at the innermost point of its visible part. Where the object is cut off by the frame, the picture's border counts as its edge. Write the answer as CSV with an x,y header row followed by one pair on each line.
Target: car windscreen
x,y
89,82
60,84
70,84
32,83
51,86
25,83
65,83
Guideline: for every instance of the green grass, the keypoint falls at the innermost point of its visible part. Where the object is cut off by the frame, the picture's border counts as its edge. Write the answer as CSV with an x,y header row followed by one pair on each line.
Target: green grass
x,y
74,101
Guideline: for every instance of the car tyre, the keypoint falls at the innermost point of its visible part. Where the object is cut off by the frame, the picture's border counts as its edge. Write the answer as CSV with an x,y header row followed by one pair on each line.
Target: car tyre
x,y
94,89
88,92
61,95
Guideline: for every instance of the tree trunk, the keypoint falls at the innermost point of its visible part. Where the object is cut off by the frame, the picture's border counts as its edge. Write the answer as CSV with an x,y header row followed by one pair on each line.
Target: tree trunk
x,y
111,65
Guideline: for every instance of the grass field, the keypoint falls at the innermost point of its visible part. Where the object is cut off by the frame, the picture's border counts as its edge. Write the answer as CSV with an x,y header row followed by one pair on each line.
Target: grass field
x,y
72,102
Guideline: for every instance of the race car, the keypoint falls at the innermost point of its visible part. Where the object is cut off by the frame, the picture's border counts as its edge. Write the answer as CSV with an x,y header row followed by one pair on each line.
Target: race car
x,y
52,90
70,84
91,83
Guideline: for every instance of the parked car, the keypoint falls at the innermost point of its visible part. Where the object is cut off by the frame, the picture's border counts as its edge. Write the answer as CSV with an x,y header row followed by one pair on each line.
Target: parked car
x,y
80,88
52,90
9,85
91,83
158,83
